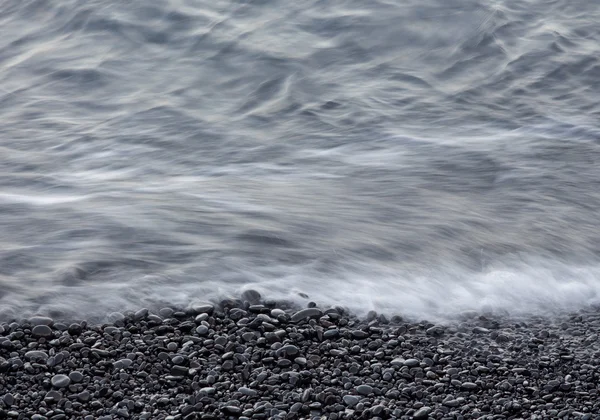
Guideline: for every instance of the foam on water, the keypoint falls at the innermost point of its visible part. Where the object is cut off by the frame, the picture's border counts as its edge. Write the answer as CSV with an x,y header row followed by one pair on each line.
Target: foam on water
x,y
544,289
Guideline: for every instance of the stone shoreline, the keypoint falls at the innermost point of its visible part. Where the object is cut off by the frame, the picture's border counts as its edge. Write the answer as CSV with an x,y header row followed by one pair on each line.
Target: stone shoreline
x,y
254,359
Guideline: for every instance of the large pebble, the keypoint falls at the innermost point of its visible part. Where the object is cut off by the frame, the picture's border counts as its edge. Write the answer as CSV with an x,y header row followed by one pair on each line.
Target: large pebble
x,y
205,308
305,314
364,389
60,381
422,413
41,331
41,320
36,356
351,400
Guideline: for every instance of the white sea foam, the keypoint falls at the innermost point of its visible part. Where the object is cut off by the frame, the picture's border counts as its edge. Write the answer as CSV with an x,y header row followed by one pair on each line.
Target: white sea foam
x,y
546,289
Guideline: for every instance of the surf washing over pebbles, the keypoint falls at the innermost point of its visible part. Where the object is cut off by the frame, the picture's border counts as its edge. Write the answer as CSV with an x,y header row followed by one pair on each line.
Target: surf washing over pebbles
x,y
421,158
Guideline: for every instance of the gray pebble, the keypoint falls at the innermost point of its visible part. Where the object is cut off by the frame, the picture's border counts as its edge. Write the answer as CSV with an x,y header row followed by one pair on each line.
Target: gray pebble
x,y
412,363
41,320
422,413
248,392
203,308
60,381
469,386
305,314
76,376
41,331
351,400
36,356
364,389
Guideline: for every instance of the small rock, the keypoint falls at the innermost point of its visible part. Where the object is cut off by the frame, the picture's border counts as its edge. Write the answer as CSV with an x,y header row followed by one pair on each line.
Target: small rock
x,y
248,392
480,330
60,381
305,314
41,331
412,363
203,308
422,413
202,330
351,400
36,356
364,389
76,376
251,296
41,320
469,386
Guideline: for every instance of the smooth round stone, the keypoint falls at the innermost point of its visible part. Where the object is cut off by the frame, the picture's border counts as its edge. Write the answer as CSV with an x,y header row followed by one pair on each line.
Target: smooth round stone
x,y
36,356
469,386
41,320
203,308
141,314
328,334
60,381
76,376
166,312
364,389
306,314
277,313
202,330
248,392
41,331
251,296
422,413
480,330
123,364
300,360
351,400
411,363
75,329
289,350
178,360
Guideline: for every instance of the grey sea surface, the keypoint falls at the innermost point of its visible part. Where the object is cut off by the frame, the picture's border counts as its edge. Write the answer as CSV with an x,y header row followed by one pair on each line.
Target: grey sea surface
x,y
420,157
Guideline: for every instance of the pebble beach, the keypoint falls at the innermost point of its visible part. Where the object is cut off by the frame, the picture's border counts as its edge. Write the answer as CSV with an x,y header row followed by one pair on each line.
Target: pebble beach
x,y
251,358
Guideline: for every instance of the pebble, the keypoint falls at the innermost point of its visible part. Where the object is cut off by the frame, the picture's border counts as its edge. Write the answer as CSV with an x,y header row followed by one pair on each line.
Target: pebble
x,y
351,400
364,389
36,356
203,308
41,331
305,314
422,413
60,381
480,330
76,376
254,361
202,330
248,392
412,363
41,320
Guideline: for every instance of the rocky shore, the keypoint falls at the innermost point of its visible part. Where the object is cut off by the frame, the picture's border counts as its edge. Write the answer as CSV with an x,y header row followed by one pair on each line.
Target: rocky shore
x,y
254,359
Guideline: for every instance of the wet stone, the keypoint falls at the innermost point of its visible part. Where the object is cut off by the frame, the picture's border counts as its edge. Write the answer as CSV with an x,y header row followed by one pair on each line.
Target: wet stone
x,y
41,320
305,314
41,331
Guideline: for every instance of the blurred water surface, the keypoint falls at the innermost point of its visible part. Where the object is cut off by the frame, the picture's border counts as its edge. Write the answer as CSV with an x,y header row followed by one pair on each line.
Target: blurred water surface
x,y
415,157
